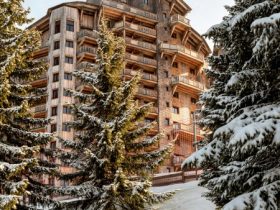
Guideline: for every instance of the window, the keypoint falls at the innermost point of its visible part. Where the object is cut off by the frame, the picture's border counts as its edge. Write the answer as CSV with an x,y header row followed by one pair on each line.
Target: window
x,y
175,110
56,45
166,121
176,95
64,183
148,120
51,181
167,104
57,27
167,88
174,36
70,25
66,127
166,74
69,43
56,61
55,77
193,100
67,76
146,2
66,110
54,111
68,59
66,93
192,71
176,125
53,145
175,65
168,137
55,93
53,128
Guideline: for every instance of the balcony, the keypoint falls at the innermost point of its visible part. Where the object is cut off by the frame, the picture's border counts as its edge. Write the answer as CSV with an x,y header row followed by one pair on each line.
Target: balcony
x,y
179,21
147,93
142,60
87,36
142,45
86,66
181,51
42,81
39,111
142,30
86,52
43,50
186,85
127,9
186,128
146,77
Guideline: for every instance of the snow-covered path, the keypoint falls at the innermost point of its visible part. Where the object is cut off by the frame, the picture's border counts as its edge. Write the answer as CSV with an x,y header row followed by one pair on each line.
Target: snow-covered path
x,y
188,197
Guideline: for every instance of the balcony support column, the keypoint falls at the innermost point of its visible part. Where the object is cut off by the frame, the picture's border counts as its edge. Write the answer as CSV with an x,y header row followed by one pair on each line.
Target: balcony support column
x,y
124,20
186,37
173,59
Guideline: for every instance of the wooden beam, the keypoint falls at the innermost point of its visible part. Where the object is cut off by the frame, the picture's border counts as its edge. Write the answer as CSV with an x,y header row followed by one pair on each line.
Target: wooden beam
x,y
173,59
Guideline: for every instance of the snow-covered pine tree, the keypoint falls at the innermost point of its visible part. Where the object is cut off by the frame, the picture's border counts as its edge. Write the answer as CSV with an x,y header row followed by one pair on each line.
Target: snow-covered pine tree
x,y
19,146
110,152
241,110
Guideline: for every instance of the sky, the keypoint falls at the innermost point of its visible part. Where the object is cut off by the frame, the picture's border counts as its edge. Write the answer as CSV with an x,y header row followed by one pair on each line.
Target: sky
x,y
204,14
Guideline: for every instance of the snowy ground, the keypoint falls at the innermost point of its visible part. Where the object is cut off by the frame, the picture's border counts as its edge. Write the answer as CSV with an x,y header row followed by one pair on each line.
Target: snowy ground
x,y
188,197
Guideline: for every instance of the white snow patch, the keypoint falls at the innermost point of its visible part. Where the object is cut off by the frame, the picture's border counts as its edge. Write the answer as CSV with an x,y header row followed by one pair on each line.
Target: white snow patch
x,y
188,197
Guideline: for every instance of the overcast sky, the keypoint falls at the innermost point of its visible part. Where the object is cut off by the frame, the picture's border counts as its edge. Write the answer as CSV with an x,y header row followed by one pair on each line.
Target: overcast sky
x,y
204,14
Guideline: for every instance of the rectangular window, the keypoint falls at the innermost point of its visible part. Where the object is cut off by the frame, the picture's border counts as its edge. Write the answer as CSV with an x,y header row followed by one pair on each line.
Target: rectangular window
x,y
69,44
166,121
55,77
67,76
55,94
51,181
57,27
69,60
54,111
70,25
66,93
167,104
149,120
193,100
53,145
176,125
175,110
55,61
66,110
166,74
167,88
56,45
192,71
66,127
176,95
64,183
174,36
175,65
53,128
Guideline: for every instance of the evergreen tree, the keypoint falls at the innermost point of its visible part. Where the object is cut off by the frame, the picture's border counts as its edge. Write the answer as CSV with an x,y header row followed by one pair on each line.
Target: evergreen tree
x,y
110,153
241,111
19,146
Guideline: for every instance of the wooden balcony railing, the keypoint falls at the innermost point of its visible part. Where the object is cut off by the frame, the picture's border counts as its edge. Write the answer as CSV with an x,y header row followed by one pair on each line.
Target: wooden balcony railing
x,y
148,92
141,59
39,108
86,49
145,76
87,33
141,44
179,18
126,8
84,65
134,27
185,80
186,127
183,50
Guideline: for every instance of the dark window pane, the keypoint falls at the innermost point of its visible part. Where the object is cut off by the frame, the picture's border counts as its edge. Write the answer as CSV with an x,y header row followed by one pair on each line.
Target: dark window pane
x,y
54,111
57,27
56,45
70,25
55,93
69,44
69,60
56,61
55,77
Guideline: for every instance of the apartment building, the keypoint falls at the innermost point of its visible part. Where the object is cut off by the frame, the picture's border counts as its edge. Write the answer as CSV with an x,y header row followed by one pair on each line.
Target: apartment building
x,y
160,42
